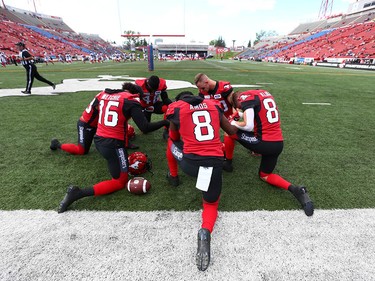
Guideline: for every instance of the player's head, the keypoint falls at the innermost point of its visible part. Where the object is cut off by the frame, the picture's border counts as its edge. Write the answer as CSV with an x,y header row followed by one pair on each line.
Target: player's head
x,y
234,99
183,94
201,80
132,88
20,45
153,82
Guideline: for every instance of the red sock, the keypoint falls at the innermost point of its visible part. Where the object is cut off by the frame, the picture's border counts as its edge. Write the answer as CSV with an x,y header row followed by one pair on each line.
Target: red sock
x,y
73,148
109,186
172,162
229,147
209,214
164,109
275,180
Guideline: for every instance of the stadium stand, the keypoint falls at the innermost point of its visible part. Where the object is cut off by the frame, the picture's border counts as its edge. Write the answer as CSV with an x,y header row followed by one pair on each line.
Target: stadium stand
x,y
44,33
344,37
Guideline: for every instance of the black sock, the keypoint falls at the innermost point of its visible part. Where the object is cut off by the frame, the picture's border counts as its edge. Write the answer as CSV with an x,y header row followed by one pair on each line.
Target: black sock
x,y
89,191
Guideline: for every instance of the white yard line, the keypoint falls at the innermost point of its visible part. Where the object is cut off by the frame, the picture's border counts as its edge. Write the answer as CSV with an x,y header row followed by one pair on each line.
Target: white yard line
x,y
316,103
161,245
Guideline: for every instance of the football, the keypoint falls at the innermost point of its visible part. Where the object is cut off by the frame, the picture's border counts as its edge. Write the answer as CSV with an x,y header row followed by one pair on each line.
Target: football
x,y
138,185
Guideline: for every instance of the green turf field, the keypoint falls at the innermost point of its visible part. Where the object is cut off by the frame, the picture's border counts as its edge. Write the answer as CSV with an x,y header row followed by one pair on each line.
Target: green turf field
x,y
328,148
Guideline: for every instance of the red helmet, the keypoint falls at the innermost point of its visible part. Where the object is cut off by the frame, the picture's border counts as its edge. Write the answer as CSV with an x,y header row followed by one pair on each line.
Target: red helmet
x,y
139,163
131,132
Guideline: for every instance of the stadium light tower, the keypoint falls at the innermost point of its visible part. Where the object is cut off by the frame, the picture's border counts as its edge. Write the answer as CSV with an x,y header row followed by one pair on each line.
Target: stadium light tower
x,y
325,9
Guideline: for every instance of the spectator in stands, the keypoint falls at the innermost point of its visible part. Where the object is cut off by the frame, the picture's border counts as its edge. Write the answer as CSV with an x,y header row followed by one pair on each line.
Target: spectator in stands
x,y
27,61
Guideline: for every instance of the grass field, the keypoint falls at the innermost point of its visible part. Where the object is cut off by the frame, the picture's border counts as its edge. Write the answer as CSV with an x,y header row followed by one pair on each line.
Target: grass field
x,y
328,148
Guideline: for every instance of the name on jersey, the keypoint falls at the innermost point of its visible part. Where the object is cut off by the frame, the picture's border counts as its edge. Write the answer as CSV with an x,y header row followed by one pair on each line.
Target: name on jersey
x,y
199,106
110,97
265,94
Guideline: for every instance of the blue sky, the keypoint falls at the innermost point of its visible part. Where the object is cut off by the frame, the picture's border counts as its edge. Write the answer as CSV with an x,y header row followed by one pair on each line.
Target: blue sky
x,y
200,20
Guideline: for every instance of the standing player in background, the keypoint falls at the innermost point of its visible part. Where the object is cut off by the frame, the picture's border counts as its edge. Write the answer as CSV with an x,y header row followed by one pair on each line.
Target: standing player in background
x,y
196,122
68,58
3,59
260,131
61,58
47,58
218,90
154,88
27,61
116,107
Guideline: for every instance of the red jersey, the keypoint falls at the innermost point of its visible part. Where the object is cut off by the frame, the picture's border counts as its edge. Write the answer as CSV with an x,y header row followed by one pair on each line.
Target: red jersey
x,y
220,93
149,99
90,114
114,113
266,115
198,122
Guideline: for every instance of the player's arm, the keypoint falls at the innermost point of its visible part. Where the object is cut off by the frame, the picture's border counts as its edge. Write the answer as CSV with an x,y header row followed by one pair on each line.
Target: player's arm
x,y
227,127
164,97
248,121
141,121
224,123
174,134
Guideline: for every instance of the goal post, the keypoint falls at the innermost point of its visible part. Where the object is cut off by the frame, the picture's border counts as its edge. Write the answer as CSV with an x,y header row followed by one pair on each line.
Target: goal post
x,y
150,48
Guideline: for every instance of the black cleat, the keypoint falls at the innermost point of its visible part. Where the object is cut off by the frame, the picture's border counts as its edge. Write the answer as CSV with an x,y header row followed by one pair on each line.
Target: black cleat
x,y
73,193
55,144
53,86
203,252
174,181
227,165
300,192
26,92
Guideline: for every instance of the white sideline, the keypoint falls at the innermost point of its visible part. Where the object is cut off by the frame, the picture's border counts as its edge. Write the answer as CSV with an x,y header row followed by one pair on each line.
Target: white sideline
x,y
94,84
161,245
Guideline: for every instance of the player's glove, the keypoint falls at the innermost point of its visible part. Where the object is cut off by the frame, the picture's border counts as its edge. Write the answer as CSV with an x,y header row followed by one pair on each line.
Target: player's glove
x,y
235,116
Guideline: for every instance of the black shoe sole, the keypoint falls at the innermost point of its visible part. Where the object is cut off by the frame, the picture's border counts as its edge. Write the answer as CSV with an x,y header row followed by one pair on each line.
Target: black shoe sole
x,y
203,256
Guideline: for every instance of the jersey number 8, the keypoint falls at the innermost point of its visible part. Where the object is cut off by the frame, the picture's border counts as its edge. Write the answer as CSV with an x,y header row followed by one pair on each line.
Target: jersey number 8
x,y
272,113
203,130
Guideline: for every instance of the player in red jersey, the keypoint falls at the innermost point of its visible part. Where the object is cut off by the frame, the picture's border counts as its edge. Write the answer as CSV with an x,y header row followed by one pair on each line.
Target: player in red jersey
x,y
197,121
260,131
154,89
219,90
116,107
86,128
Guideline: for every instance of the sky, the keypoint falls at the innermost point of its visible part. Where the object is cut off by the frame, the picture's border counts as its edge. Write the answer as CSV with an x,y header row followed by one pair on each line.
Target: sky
x,y
199,20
